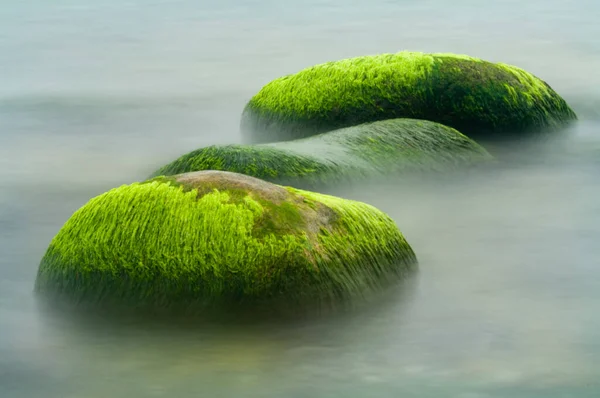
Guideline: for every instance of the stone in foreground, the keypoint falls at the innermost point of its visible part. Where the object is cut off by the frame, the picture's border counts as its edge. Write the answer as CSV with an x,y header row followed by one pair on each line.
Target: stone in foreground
x,y
476,97
209,237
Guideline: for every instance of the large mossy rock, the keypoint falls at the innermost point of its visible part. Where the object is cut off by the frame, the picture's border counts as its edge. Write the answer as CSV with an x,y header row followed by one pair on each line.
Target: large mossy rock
x,y
383,148
477,97
209,237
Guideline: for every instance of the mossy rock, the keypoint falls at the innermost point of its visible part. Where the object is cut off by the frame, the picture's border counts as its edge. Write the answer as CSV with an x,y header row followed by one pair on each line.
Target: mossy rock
x,y
380,148
479,98
217,237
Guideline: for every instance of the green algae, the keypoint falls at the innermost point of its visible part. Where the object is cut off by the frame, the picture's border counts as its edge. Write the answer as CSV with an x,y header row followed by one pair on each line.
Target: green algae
x,y
211,237
265,162
380,148
477,97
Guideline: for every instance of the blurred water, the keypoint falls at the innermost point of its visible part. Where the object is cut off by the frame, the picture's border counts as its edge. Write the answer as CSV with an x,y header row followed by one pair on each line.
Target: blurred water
x,y
98,94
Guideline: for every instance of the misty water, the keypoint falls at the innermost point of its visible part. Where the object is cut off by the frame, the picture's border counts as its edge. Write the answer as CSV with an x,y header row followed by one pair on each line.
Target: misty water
x,y
507,300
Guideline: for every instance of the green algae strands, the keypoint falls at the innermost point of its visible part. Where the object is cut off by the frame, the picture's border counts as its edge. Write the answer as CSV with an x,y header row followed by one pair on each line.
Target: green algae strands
x,y
373,149
214,236
476,97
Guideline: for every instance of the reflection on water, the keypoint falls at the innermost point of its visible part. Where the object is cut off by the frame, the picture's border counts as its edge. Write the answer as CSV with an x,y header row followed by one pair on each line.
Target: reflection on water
x,y
506,300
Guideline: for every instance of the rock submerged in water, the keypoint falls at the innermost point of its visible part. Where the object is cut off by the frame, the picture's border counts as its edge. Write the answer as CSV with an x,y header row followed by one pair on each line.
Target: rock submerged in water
x,y
382,148
209,237
476,97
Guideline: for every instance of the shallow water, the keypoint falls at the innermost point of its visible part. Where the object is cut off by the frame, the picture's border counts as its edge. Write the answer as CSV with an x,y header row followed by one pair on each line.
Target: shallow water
x,y
507,299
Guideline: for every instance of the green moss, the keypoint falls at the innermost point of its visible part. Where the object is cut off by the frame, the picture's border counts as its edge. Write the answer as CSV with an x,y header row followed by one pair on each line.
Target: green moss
x,y
477,97
262,162
168,242
380,148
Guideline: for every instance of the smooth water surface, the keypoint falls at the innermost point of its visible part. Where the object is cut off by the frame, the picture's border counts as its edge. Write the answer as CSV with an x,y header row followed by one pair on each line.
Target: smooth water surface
x,y
507,301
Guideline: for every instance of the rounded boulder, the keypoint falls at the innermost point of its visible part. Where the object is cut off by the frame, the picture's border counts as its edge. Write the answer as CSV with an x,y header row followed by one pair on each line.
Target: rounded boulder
x,y
379,149
209,237
476,97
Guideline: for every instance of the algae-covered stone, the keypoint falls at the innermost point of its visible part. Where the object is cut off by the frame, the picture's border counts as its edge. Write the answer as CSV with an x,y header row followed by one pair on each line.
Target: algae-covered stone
x,y
472,95
215,236
380,148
